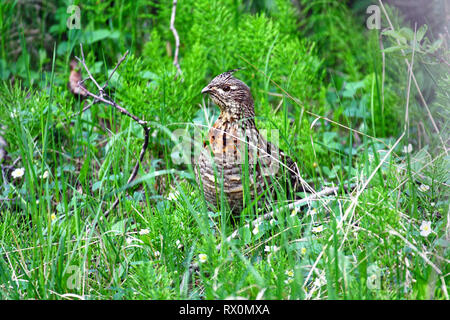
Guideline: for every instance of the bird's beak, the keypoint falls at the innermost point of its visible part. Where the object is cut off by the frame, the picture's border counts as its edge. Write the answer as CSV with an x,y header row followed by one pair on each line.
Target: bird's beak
x,y
206,89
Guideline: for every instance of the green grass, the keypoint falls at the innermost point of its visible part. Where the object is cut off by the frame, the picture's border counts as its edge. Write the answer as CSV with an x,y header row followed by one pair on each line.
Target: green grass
x,y
366,245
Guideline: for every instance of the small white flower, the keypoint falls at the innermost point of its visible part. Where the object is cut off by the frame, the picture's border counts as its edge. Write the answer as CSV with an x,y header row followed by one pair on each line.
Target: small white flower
x,y
173,196
289,273
408,148
45,175
53,217
256,229
13,113
37,201
317,229
320,281
272,222
129,240
424,187
425,228
179,244
312,212
144,231
288,280
433,204
202,258
271,248
18,173
157,254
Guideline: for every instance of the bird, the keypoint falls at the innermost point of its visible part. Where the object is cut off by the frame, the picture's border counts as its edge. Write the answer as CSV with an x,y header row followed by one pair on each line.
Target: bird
x,y
234,141
74,78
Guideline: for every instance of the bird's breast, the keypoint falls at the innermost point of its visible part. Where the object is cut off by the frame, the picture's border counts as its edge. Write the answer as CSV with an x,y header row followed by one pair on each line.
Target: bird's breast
x,y
232,145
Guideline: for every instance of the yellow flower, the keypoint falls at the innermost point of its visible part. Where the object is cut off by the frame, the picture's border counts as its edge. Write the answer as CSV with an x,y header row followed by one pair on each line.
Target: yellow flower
x,y
295,211
289,273
303,250
317,229
315,164
425,228
18,173
202,258
53,217
173,196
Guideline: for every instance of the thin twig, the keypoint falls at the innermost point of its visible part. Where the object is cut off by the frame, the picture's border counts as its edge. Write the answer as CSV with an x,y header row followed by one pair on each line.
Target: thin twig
x,y
383,73
104,98
83,62
177,40
115,68
136,166
296,204
83,110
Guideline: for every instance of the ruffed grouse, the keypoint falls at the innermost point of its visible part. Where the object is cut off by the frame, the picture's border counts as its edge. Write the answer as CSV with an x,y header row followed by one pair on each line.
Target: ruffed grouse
x,y
234,142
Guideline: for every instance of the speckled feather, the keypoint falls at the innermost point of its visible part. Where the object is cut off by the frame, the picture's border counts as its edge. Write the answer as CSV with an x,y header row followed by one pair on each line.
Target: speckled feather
x,y
232,139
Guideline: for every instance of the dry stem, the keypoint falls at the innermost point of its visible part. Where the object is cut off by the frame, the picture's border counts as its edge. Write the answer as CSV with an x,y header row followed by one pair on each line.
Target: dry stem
x,y
177,39
101,96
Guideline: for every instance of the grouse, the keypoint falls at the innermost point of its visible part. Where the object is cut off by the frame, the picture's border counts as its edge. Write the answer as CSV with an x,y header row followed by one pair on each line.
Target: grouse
x,y
234,143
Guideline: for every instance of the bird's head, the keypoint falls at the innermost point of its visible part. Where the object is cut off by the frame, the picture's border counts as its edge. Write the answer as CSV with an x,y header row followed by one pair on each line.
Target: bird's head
x,y
230,94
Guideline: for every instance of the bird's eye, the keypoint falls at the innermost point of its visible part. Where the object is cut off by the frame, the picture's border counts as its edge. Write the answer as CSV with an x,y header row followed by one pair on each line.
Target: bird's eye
x,y
226,88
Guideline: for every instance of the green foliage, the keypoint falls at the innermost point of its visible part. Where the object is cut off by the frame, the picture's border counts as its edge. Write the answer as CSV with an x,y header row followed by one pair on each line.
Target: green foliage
x,y
315,74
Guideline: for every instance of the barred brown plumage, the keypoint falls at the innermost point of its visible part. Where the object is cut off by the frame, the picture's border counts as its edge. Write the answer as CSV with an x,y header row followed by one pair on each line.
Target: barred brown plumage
x,y
234,141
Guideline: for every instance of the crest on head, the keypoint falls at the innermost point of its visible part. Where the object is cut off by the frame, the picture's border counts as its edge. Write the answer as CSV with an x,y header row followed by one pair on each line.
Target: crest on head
x,y
226,79
228,92
226,75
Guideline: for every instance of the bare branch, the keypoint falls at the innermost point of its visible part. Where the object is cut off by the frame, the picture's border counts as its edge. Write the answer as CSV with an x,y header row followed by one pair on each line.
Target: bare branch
x,y
83,62
177,40
101,96
115,68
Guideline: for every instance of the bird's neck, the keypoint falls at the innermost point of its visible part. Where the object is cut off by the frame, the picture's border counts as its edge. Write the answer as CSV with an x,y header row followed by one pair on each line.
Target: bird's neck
x,y
237,112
